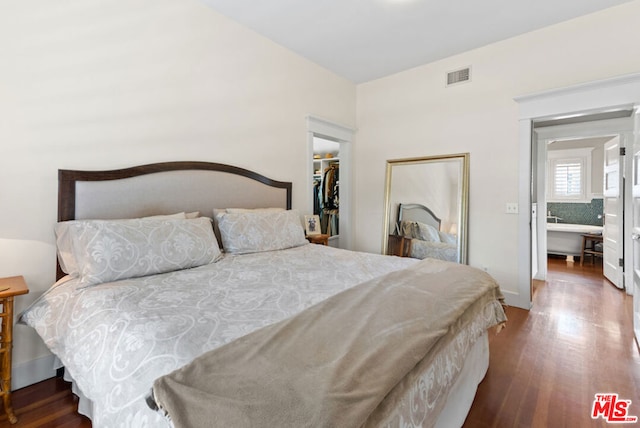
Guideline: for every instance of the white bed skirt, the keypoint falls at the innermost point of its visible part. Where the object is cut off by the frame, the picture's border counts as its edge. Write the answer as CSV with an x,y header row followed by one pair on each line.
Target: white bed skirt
x,y
85,405
464,389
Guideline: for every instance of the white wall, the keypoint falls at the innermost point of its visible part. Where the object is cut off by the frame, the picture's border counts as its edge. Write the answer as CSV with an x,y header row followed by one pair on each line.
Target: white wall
x,y
88,84
412,114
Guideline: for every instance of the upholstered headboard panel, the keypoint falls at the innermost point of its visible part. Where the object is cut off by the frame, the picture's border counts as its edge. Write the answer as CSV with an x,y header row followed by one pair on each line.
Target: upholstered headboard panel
x,y
165,188
419,213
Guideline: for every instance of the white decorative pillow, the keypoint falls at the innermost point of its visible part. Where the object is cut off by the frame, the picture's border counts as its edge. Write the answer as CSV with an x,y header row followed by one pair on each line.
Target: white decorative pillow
x,y
256,231
253,210
421,231
427,233
64,249
407,229
448,238
217,211
111,250
166,216
66,258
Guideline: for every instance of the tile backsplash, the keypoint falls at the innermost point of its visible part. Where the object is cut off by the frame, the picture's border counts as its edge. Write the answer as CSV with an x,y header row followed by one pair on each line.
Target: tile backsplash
x,y
577,213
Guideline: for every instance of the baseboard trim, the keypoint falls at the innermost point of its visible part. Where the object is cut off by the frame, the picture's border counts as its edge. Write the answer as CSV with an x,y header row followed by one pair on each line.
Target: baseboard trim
x,y
515,300
32,371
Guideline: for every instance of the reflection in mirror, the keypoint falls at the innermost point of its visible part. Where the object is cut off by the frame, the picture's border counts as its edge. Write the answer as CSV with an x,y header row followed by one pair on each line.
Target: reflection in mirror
x,y
426,207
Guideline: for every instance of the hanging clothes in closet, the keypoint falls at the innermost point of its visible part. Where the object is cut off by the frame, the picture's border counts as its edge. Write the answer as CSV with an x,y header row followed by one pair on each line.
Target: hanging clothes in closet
x,y
317,196
329,216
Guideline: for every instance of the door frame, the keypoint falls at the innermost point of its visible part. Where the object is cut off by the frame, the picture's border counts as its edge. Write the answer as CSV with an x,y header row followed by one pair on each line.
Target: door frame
x,y
612,270
634,242
621,127
343,135
616,93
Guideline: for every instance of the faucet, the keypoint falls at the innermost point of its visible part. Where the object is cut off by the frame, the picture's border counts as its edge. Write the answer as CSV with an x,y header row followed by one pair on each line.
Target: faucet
x,y
555,218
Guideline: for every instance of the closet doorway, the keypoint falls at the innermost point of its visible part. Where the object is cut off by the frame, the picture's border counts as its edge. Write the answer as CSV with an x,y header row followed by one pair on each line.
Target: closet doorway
x,y
326,187
329,179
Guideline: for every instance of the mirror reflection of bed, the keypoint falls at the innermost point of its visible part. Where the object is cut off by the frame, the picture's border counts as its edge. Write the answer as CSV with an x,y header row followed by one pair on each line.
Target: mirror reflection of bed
x,y
419,234
426,207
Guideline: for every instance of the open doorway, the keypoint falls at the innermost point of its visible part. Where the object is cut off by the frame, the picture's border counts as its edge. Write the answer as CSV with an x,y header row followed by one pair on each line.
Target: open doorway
x,y
601,97
329,143
578,169
326,187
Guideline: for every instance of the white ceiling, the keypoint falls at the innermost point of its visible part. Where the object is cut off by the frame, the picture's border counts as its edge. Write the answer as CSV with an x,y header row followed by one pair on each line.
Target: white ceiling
x,y
363,40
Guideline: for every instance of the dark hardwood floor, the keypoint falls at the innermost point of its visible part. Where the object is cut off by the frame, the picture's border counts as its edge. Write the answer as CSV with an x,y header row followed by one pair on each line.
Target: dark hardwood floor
x,y
545,368
49,404
547,365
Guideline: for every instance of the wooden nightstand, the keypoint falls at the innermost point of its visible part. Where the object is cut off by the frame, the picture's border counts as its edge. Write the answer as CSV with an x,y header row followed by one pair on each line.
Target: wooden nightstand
x,y
318,239
399,246
9,288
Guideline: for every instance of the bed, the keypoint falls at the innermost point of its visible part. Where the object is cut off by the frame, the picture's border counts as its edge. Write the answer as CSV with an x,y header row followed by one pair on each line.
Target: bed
x,y
149,285
419,224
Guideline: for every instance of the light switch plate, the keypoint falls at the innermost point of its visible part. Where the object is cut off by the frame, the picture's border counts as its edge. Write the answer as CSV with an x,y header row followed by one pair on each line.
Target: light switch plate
x,y
512,208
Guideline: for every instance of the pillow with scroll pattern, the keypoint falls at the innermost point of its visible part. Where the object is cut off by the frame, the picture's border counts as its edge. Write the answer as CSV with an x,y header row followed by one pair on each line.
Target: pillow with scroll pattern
x,y
418,230
217,211
426,232
448,238
257,231
111,250
64,244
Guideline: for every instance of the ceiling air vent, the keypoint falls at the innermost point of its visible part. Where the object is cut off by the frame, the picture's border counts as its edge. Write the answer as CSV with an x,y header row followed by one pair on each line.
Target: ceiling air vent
x,y
459,76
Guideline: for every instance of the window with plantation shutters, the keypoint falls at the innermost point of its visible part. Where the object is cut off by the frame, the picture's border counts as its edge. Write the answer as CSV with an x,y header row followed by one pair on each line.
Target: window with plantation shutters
x,y
568,176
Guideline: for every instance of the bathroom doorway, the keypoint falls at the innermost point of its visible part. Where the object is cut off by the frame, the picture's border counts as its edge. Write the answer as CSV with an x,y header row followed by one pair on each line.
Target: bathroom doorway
x,y
578,167
604,99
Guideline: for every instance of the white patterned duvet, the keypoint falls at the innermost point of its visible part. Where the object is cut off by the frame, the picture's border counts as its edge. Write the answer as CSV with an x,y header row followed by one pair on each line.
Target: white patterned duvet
x,y
114,339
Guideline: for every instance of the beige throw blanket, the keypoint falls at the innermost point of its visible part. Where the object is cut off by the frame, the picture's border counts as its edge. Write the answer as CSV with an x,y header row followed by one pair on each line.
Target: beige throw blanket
x,y
331,365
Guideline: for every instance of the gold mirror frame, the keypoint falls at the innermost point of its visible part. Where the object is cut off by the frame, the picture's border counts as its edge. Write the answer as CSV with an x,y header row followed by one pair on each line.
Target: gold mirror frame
x,y
463,197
